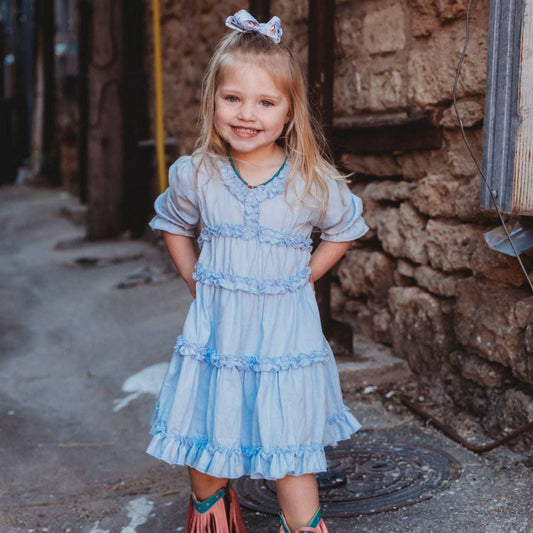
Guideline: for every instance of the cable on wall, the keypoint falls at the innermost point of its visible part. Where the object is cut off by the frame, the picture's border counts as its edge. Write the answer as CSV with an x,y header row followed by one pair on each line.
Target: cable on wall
x,y
470,151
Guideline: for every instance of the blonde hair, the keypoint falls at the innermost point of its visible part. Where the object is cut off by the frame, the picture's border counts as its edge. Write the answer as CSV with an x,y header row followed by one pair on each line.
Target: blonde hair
x,y
302,140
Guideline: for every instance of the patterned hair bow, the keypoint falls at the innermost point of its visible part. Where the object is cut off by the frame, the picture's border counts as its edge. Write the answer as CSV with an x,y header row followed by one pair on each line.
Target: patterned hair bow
x,y
244,22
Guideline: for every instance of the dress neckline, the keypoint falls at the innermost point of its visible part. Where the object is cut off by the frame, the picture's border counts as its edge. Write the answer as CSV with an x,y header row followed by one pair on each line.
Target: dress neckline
x,y
260,184
239,189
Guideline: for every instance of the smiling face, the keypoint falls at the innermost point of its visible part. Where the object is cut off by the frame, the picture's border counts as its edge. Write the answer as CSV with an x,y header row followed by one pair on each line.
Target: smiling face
x,y
250,112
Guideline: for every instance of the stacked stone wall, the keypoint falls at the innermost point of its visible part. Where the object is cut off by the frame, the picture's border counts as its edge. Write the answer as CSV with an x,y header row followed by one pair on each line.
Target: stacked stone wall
x,y
423,280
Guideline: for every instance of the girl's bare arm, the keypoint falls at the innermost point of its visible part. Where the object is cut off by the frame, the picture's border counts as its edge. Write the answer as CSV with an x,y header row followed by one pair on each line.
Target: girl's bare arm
x,y
325,256
184,256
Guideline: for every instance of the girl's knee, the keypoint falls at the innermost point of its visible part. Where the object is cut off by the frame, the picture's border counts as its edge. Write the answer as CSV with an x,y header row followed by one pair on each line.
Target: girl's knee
x,y
204,485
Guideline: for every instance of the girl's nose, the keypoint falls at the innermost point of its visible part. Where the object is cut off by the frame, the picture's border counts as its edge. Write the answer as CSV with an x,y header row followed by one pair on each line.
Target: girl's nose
x,y
246,112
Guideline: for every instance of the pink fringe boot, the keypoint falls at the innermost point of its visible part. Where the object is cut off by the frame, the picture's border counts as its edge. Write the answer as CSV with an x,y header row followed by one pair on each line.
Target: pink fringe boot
x,y
316,525
220,513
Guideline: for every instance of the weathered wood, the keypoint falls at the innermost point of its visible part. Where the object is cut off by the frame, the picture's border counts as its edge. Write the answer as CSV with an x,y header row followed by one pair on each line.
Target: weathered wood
x,y
84,54
105,139
320,79
260,9
523,167
508,131
321,60
44,141
138,162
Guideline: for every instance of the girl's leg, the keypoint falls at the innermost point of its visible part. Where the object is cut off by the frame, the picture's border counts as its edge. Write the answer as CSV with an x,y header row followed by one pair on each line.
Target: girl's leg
x,y
213,507
298,499
203,485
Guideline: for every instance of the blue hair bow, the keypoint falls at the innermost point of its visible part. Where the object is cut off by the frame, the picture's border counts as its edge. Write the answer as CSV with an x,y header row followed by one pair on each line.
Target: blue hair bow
x,y
244,22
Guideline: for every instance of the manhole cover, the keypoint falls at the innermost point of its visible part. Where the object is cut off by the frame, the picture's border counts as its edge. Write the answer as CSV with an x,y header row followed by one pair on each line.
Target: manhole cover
x,y
365,479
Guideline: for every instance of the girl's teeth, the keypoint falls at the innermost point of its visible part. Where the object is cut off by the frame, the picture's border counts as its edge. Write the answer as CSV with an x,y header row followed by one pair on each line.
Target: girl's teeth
x,y
245,130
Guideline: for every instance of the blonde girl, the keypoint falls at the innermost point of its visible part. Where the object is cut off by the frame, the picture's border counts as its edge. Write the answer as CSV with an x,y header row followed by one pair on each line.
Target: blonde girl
x,y
252,387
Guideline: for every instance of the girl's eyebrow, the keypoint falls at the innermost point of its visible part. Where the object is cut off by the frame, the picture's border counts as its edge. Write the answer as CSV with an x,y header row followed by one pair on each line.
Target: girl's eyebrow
x,y
262,96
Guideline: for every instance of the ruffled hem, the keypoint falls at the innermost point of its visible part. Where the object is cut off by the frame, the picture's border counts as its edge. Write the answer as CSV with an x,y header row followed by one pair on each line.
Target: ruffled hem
x,y
253,461
260,233
160,223
225,280
249,362
356,231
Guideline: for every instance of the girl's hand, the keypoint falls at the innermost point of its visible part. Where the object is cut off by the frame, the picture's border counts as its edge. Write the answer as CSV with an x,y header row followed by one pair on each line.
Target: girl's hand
x,y
184,256
325,256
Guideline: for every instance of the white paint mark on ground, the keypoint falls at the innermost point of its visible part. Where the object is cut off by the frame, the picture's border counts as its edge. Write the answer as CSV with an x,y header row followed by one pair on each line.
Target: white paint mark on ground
x,y
96,529
147,381
138,513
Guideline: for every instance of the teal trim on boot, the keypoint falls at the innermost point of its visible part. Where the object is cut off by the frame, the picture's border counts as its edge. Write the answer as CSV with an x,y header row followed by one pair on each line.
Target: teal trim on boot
x,y
283,524
204,506
314,521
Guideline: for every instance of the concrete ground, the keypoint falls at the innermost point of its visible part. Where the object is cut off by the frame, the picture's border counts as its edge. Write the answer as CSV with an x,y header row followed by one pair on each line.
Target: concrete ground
x,y
80,364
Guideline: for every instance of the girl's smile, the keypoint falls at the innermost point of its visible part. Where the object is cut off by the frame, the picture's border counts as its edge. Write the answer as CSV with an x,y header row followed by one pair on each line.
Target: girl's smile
x,y
250,112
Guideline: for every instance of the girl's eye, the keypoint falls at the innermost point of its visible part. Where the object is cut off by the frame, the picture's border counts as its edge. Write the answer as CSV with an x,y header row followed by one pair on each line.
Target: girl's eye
x,y
267,103
231,98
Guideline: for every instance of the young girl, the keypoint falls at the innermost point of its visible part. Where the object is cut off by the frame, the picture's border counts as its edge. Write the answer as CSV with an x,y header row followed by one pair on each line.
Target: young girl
x,y
252,388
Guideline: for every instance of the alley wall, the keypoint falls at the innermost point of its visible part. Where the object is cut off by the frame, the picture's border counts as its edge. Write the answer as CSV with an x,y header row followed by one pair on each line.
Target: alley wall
x,y
423,280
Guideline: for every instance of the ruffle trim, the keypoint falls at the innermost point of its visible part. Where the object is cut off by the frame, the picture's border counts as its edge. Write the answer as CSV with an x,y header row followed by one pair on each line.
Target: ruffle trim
x,y
249,362
161,223
260,233
254,461
251,198
355,231
232,282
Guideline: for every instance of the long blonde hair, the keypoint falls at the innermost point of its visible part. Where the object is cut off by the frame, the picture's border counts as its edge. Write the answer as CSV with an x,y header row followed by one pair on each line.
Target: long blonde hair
x,y
302,140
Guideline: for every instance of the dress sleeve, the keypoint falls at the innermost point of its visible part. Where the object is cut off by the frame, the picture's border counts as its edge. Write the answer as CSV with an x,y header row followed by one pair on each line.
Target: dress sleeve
x,y
343,220
177,209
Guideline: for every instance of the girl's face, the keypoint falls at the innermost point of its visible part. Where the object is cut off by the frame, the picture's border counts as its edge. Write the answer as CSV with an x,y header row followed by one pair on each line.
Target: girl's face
x,y
250,112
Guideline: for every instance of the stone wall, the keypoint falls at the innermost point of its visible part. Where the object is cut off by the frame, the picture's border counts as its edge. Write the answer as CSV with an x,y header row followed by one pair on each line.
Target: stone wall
x,y
423,279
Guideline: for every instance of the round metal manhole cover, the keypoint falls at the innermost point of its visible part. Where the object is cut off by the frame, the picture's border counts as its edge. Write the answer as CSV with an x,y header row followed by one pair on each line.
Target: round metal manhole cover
x,y
364,479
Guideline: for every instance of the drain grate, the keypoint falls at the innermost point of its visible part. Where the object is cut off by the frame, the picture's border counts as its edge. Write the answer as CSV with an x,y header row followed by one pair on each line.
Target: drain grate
x,y
365,479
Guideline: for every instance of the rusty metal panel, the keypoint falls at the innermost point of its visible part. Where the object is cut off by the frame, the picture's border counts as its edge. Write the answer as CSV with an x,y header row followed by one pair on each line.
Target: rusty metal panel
x,y
523,165
502,118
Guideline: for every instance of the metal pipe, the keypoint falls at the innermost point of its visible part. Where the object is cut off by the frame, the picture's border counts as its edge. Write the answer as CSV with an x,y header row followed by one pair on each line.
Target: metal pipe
x,y
159,101
457,438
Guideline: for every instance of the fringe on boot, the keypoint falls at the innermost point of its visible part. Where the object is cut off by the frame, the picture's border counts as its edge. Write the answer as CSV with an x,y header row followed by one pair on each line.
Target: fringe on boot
x,y
220,513
316,525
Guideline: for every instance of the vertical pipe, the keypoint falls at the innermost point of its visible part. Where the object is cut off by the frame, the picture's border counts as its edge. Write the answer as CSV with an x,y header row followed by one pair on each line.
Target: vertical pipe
x,y
260,9
158,82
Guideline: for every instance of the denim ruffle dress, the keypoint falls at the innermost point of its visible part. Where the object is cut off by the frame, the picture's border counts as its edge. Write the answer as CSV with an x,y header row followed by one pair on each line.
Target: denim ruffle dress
x,y
252,387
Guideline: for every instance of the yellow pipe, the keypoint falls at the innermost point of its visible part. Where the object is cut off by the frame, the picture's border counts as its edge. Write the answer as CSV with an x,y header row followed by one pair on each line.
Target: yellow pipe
x,y
158,83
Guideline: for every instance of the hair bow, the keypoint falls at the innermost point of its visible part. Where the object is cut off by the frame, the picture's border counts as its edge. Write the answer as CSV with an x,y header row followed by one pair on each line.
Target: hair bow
x,y
244,22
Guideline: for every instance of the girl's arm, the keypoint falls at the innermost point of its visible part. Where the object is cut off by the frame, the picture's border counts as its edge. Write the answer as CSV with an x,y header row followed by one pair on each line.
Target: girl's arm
x,y
184,256
325,256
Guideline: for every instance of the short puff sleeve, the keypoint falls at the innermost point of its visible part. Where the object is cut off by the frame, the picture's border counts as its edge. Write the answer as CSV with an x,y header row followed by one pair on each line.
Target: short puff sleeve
x,y
343,220
177,209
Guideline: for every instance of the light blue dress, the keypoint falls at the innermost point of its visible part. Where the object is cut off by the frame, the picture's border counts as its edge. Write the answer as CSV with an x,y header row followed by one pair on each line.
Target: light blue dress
x,y
252,387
